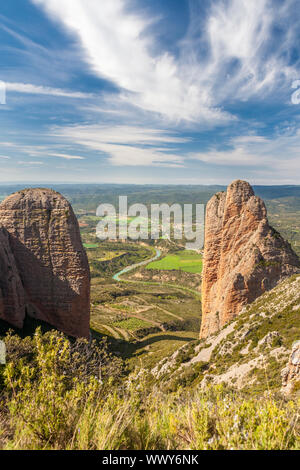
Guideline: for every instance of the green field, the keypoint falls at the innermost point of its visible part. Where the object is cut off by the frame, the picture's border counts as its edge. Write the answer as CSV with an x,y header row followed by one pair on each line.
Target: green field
x,y
132,324
187,261
90,245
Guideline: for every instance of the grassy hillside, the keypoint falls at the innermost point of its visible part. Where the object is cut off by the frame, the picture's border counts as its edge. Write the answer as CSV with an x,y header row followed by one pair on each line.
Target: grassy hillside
x,y
249,353
147,381
58,395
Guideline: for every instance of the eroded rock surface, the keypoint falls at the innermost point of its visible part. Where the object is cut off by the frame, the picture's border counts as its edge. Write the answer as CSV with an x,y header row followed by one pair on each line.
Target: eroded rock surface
x,y
243,255
12,296
291,373
43,247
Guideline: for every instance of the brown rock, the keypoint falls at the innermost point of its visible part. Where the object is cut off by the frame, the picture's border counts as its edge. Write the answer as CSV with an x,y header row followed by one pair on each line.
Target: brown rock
x,y
12,298
243,255
291,373
45,241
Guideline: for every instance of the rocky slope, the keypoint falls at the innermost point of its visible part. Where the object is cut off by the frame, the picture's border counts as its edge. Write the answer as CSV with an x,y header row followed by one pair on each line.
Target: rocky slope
x,y
44,270
291,373
243,256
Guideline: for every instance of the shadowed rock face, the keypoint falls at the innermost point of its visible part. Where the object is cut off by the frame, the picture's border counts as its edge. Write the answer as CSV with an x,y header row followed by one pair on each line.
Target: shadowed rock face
x,y
243,255
12,296
48,255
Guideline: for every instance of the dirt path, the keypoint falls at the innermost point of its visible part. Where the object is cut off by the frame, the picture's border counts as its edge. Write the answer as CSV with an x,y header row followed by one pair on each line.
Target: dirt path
x,y
169,313
160,308
204,355
125,333
137,315
115,334
153,322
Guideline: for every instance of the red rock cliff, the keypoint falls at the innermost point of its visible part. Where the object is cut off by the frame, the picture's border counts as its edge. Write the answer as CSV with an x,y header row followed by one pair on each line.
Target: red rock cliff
x,y
48,266
243,255
12,296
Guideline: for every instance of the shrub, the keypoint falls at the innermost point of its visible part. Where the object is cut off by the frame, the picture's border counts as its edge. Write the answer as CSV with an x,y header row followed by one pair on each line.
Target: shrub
x,y
49,404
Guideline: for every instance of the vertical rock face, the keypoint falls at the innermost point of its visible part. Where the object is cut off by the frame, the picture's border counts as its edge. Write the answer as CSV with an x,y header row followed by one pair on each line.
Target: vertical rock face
x,y
12,297
291,373
48,255
243,255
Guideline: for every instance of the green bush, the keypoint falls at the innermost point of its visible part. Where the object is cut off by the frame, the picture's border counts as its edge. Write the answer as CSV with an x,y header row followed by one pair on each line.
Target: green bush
x,y
47,403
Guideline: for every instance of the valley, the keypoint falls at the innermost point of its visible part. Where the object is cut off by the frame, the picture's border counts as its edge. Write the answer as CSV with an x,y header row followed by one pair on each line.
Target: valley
x,y
153,310
142,378
144,319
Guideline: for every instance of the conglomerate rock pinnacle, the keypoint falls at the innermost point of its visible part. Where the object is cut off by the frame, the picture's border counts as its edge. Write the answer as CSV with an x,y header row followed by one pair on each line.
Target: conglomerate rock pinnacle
x,y
44,271
243,255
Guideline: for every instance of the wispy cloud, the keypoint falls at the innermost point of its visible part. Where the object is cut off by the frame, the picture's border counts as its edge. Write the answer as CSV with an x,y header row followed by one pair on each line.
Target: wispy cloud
x,y
239,34
155,91
30,163
239,61
118,48
39,151
126,145
66,157
261,153
43,90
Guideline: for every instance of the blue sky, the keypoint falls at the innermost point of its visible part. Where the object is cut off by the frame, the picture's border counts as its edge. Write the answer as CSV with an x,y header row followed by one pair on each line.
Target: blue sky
x,y
150,91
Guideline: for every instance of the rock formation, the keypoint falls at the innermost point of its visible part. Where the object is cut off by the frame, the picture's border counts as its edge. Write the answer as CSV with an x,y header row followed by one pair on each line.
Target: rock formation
x,y
291,373
44,271
243,255
12,298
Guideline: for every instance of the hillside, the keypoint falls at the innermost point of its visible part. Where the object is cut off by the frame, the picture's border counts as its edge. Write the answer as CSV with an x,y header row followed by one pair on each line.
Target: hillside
x,y
144,380
247,354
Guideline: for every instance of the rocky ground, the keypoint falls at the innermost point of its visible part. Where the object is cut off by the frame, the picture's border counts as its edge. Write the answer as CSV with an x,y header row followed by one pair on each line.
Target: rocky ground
x,y
248,353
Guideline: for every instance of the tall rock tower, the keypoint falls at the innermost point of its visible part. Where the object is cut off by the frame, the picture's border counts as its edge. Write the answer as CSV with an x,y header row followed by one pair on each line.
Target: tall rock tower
x,y
243,255
44,271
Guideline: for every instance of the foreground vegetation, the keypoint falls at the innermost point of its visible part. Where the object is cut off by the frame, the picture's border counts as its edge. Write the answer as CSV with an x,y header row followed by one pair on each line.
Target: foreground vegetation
x,y
61,395
187,261
56,394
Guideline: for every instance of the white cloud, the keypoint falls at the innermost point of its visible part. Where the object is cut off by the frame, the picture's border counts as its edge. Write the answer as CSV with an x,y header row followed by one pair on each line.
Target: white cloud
x,y
30,163
278,156
189,87
38,151
7,144
118,49
42,90
126,145
243,32
4,157
236,156
66,157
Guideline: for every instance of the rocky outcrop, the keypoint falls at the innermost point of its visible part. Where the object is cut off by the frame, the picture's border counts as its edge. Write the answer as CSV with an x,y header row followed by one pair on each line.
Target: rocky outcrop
x,y
243,255
44,269
12,296
291,373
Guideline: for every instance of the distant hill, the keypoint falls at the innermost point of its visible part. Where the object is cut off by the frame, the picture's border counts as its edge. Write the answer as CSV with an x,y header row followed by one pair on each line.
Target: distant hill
x,y
89,196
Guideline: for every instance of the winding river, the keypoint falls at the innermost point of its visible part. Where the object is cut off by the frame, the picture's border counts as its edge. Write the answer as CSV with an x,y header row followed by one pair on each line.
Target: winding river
x,y
116,277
